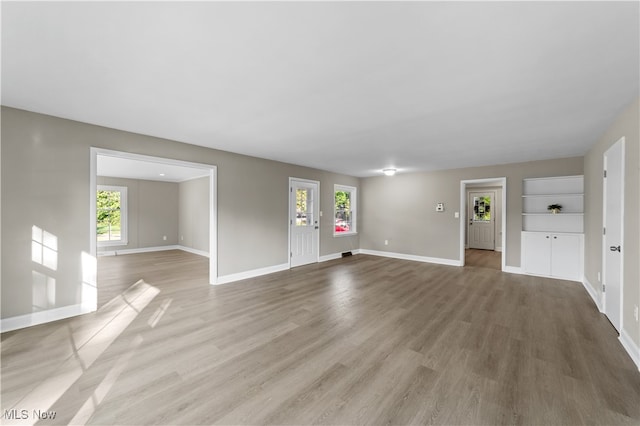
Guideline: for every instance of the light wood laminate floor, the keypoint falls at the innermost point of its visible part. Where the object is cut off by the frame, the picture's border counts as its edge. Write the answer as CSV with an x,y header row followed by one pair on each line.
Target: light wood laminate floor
x,y
360,340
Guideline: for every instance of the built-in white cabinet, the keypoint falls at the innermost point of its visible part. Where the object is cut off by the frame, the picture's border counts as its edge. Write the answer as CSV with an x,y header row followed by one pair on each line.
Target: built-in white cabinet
x,y
553,243
556,255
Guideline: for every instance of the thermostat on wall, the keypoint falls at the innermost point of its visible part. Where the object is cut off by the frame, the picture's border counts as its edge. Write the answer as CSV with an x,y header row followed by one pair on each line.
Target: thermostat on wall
x,y
440,207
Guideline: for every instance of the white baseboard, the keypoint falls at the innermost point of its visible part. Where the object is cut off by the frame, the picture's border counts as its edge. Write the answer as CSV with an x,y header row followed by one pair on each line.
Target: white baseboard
x,y
152,249
194,251
138,250
629,345
333,256
592,292
513,269
225,279
41,317
498,249
440,261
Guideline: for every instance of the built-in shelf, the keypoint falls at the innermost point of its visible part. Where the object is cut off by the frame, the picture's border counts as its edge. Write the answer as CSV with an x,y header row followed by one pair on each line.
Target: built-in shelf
x,y
553,244
539,193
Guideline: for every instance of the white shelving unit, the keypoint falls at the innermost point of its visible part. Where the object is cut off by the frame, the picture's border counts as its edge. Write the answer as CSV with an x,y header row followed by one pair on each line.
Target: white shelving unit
x,y
553,244
539,193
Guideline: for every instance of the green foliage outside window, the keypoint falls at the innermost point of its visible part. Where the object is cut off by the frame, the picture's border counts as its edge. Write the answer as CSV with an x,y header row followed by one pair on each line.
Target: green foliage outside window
x,y
109,216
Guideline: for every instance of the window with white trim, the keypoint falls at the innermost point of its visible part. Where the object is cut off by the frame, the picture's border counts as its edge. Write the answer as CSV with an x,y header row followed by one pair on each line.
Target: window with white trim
x,y
344,210
111,215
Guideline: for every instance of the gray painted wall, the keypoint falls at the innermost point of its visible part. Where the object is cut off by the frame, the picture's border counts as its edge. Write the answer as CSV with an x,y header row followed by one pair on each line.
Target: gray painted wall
x,y
193,215
401,208
45,182
152,212
627,124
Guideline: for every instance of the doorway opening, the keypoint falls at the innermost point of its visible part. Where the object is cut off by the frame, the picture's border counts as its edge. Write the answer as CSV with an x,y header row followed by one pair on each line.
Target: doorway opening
x,y
483,221
141,168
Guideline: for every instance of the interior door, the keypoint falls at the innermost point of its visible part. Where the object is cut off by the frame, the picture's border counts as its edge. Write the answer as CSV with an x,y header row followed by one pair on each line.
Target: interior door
x,y
481,229
303,221
613,205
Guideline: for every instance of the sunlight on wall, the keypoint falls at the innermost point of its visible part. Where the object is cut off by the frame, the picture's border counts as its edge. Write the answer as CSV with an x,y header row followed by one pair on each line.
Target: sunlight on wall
x,y
89,297
44,291
44,253
44,248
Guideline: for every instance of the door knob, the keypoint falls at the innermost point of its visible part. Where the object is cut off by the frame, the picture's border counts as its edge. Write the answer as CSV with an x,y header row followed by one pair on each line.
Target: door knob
x,y
614,248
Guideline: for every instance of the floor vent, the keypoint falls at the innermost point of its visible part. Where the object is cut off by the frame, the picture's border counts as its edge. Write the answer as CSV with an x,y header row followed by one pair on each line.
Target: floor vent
x,y
347,254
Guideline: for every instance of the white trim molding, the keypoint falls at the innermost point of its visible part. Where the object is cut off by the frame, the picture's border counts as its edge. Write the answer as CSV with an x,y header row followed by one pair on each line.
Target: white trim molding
x,y
193,251
225,279
334,256
425,259
138,250
629,345
592,292
513,270
41,317
152,249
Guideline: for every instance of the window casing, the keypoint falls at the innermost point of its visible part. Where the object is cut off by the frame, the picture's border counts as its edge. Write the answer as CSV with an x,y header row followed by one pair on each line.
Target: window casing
x,y
111,215
344,210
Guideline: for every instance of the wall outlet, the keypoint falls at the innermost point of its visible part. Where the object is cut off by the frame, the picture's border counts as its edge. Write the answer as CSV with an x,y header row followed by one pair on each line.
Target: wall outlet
x,y
599,278
164,237
386,242
456,215
181,237
635,313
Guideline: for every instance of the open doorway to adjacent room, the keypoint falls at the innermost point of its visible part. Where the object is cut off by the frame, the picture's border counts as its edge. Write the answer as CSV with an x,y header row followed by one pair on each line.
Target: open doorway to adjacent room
x,y
141,204
483,223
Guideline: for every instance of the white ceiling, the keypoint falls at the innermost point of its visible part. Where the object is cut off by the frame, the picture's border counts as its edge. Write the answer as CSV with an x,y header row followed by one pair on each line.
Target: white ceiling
x,y
147,170
347,87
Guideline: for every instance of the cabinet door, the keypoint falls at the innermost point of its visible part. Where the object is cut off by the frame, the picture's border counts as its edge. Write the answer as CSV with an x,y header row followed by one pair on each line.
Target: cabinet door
x,y
536,253
566,256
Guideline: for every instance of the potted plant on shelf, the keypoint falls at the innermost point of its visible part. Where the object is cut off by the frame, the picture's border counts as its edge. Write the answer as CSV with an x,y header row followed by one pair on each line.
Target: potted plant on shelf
x,y
554,208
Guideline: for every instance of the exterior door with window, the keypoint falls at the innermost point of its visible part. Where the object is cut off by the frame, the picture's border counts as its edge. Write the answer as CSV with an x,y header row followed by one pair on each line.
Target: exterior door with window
x,y
613,206
481,229
304,209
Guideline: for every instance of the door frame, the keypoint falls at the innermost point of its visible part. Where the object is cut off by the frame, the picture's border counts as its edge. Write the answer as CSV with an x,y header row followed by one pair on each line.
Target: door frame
x,y
290,218
604,223
213,207
494,197
498,181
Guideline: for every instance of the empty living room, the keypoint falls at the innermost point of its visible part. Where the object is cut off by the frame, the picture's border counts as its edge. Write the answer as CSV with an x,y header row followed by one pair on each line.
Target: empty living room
x,y
333,213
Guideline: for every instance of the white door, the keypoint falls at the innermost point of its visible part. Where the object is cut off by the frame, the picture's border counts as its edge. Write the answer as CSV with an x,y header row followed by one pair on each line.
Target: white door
x,y
613,205
304,207
481,229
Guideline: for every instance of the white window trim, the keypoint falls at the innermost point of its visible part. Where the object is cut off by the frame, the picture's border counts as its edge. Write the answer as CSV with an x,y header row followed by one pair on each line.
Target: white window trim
x,y
124,213
354,210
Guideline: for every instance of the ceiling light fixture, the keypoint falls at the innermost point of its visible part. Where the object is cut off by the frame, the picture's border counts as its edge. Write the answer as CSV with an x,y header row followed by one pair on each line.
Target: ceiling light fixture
x,y
389,172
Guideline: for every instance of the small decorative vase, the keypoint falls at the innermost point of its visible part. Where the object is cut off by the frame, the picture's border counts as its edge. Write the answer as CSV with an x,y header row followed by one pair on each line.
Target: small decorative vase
x,y
554,211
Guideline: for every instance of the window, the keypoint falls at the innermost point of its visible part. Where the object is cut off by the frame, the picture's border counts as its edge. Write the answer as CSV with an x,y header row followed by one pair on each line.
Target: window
x,y
344,210
111,211
304,207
